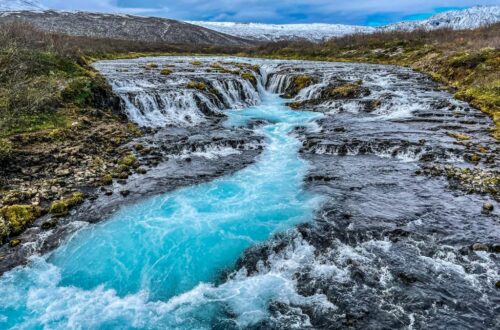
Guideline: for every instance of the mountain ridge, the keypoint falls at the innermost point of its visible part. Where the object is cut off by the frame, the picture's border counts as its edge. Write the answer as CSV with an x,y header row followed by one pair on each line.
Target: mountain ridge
x,y
121,27
156,29
456,19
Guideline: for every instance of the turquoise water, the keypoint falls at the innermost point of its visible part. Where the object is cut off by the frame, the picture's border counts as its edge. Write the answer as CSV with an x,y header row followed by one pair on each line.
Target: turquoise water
x,y
154,264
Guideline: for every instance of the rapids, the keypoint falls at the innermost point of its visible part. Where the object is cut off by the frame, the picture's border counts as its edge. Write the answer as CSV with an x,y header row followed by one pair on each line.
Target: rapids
x,y
153,260
331,226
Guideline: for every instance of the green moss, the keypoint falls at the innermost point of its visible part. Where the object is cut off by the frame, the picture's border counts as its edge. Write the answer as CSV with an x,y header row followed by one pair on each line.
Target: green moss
x,y
197,85
61,207
107,179
128,160
15,242
196,63
18,217
302,81
250,77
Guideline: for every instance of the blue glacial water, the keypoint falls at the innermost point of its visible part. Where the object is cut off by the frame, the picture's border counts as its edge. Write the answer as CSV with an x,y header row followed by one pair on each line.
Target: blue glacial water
x,y
155,264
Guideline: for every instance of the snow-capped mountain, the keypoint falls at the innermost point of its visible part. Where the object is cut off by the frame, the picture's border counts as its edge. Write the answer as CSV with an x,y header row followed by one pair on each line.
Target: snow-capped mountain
x,y
275,32
18,5
457,19
58,21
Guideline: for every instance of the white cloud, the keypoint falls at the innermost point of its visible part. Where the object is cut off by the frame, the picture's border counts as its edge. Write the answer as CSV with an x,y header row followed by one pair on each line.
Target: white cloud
x,y
265,10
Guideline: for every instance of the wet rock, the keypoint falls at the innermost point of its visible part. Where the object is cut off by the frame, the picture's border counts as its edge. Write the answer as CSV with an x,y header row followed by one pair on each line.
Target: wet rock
x,y
488,207
480,247
13,243
125,193
49,224
407,278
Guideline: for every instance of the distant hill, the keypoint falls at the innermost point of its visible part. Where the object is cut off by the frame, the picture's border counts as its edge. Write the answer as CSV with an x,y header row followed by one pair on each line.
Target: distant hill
x,y
456,19
276,32
122,27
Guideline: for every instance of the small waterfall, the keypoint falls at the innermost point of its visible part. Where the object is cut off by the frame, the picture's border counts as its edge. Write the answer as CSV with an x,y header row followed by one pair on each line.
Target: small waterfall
x,y
179,91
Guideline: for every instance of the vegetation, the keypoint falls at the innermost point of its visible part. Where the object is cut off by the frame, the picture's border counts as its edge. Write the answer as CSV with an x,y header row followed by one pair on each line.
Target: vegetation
x,y
15,218
61,208
467,61
196,85
42,82
250,77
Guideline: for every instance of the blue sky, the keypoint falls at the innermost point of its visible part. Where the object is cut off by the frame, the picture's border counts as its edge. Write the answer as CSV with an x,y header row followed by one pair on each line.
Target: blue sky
x,y
363,12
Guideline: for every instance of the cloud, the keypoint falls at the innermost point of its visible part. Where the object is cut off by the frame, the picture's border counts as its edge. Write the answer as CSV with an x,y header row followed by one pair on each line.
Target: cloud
x,y
284,11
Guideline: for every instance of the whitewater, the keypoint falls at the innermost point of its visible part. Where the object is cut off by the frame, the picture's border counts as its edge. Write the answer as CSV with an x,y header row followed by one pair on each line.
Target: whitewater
x,y
157,264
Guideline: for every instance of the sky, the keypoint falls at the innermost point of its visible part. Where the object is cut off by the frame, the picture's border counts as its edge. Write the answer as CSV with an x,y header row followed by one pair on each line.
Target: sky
x,y
360,12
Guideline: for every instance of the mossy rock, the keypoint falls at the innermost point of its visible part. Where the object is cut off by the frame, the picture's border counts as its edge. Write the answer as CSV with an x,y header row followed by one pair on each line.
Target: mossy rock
x,y
15,218
166,72
15,242
128,160
151,66
107,179
196,63
61,207
197,85
216,66
297,84
349,90
250,77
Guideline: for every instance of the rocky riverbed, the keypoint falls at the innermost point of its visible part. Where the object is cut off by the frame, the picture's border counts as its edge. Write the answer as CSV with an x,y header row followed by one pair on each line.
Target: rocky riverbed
x,y
408,233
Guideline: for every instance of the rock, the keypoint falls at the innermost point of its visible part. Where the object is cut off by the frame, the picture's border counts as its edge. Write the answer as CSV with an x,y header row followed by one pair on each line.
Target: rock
x,y
479,247
125,193
49,224
407,278
497,284
15,242
487,207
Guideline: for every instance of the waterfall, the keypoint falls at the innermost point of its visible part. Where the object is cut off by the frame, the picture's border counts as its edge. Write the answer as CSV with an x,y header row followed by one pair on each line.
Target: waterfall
x,y
178,91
